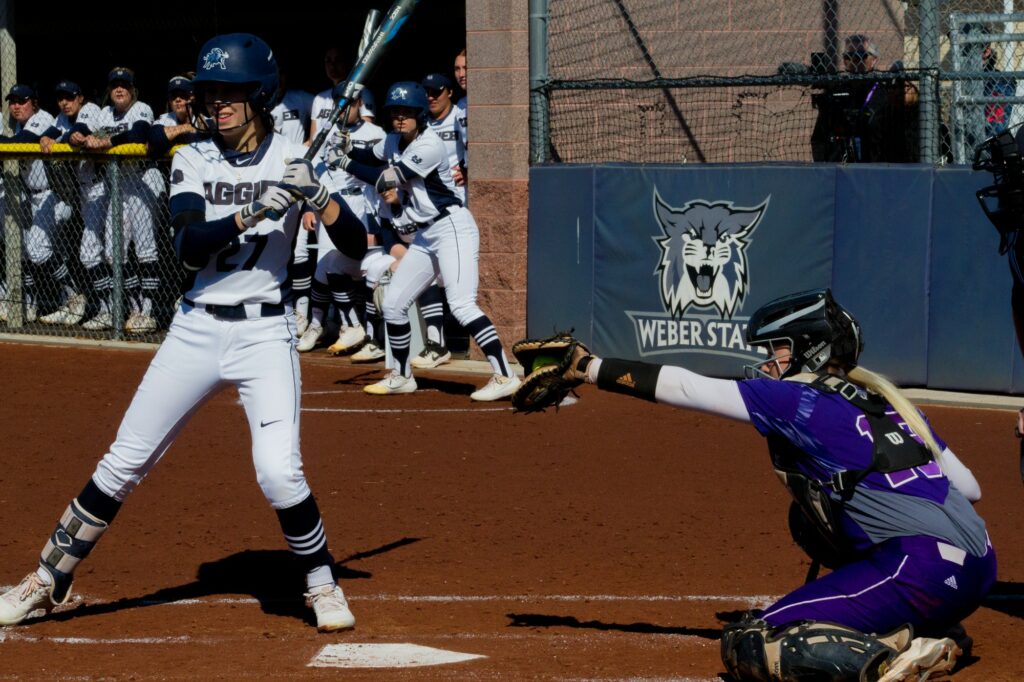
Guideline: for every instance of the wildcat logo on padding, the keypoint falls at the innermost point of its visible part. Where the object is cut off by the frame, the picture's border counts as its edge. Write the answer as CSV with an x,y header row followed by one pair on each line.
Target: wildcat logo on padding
x,y
704,253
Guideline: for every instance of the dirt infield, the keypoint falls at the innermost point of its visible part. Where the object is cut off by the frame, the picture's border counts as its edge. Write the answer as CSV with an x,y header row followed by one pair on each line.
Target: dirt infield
x,y
603,542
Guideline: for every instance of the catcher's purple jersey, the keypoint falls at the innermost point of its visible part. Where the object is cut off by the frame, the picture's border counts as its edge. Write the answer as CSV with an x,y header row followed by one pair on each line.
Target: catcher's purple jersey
x,y
835,436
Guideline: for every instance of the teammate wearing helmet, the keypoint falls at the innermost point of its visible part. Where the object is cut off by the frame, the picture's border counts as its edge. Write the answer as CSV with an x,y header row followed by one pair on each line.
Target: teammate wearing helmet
x,y
410,170
878,497
235,326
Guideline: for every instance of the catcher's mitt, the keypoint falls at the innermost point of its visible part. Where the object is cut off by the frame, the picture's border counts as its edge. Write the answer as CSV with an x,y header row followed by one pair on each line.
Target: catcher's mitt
x,y
554,367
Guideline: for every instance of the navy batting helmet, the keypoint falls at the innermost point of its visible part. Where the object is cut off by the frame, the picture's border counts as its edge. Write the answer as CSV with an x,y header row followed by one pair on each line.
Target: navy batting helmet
x,y
816,328
408,94
243,59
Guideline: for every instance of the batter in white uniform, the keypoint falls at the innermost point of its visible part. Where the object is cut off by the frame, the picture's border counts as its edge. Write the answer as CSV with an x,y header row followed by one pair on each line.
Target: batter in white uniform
x,y
234,327
410,171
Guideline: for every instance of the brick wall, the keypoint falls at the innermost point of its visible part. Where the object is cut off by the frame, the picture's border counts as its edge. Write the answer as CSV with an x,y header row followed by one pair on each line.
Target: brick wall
x,y
498,85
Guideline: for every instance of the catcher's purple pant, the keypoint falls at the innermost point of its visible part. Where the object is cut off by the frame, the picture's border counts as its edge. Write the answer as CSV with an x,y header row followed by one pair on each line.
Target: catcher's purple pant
x,y
918,580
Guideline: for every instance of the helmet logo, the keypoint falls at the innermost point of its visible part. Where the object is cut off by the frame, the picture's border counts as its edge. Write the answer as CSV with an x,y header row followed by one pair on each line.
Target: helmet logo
x,y
704,253
214,58
401,93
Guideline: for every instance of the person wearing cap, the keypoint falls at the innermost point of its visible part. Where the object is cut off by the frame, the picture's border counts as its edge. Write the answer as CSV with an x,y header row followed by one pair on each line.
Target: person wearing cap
x,y
176,125
47,279
77,115
126,120
337,278
367,106
853,116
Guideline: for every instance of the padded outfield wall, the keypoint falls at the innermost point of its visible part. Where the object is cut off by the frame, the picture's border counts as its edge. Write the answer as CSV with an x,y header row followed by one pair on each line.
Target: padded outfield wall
x,y
666,263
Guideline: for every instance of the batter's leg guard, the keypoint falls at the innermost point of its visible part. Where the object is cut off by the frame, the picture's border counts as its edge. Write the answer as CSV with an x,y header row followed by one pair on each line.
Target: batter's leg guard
x,y
431,303
808,650
72,540
82,524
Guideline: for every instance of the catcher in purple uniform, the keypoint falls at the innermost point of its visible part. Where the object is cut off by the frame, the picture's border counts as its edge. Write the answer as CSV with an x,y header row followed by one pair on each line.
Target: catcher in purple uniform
x,y
878,496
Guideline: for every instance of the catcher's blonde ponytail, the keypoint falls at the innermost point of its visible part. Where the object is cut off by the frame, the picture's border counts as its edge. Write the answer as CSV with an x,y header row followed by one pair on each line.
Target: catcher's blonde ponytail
x,y
877,383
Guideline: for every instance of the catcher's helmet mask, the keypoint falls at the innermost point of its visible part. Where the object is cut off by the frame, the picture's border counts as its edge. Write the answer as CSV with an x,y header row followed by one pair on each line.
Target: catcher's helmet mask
x,y
814,328
1003,200
240,59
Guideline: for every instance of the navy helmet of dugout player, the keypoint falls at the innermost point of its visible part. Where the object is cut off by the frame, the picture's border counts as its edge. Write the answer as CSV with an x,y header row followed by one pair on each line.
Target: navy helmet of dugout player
x,y
235,326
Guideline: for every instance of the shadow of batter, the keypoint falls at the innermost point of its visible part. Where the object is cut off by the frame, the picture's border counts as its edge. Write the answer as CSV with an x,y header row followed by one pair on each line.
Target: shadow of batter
x,y
536,620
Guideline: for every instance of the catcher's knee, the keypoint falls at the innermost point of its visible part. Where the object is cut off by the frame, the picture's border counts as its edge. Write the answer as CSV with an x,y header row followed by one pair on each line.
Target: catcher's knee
x,y
753,651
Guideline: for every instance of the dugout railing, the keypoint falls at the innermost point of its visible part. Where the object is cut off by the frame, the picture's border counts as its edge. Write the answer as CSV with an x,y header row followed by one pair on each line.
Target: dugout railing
x,y
85,234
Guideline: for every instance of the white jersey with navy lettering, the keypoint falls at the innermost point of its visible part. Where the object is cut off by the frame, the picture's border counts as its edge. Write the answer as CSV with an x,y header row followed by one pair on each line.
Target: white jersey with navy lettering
x,y
292,114
429,191
462,125
111,122
253,268
33,173
447,129
323,104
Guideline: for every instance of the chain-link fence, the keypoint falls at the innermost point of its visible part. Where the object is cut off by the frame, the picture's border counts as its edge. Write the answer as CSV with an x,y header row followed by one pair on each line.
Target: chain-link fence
x,y
86,243
677,81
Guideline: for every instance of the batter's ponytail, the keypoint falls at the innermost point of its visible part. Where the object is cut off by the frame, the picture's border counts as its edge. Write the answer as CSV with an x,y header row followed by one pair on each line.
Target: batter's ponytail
x,y
876,383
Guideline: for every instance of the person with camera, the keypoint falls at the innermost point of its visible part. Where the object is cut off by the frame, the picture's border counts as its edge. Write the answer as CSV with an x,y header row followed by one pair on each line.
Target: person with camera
x,y
853,114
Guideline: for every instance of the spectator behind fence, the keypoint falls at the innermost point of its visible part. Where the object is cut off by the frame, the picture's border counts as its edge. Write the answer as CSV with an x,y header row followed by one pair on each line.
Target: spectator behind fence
x,y
126,120
997,114
76,116
853,116
47,281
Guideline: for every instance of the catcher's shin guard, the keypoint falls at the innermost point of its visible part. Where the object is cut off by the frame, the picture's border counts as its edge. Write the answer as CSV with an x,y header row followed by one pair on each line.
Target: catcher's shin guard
x,y
753,651
72,540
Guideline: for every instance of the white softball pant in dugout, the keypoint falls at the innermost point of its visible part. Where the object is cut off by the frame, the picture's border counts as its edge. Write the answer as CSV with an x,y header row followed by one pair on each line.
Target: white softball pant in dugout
x,y
201,355
449,248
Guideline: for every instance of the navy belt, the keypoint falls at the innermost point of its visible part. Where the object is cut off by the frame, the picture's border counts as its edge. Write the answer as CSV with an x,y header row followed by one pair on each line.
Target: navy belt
x,y
238,311
445,212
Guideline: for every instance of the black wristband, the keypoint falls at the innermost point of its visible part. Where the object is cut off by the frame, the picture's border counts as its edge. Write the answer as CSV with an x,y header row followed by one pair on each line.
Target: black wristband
x,y
637,379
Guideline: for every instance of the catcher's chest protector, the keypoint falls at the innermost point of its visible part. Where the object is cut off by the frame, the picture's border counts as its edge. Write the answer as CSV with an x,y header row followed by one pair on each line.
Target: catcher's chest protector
x,y
822,501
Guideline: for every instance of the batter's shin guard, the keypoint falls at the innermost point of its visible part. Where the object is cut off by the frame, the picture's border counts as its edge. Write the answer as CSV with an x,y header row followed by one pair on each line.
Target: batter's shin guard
x,y
72,540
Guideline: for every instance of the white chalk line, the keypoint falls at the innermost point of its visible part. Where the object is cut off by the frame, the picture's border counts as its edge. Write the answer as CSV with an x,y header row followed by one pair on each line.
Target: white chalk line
x,y
405,410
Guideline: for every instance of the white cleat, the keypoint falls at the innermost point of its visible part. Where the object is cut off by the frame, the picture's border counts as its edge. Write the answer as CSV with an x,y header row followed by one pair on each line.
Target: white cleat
x,y
350,339
370,352
101,322
331,609
69,314
432,355
31,594
140,323
310,337
392,384
497,388
923,658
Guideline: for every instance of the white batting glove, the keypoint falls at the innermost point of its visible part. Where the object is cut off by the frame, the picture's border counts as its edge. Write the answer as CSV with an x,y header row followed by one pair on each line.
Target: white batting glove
x,y
301,180
274,198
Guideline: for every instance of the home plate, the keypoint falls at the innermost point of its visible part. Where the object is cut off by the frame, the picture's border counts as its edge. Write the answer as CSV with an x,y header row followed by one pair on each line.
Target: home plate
x,y
385,656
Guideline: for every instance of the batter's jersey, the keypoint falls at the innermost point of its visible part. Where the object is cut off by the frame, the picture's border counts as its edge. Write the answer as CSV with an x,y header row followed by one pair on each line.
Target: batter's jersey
x,y
111,122
832,435
429,191
33,173
292,114
252,268
447,129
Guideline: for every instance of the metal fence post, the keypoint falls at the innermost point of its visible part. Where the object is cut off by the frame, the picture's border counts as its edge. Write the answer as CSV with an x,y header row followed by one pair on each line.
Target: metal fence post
x,y
540,123
116,247
929,108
